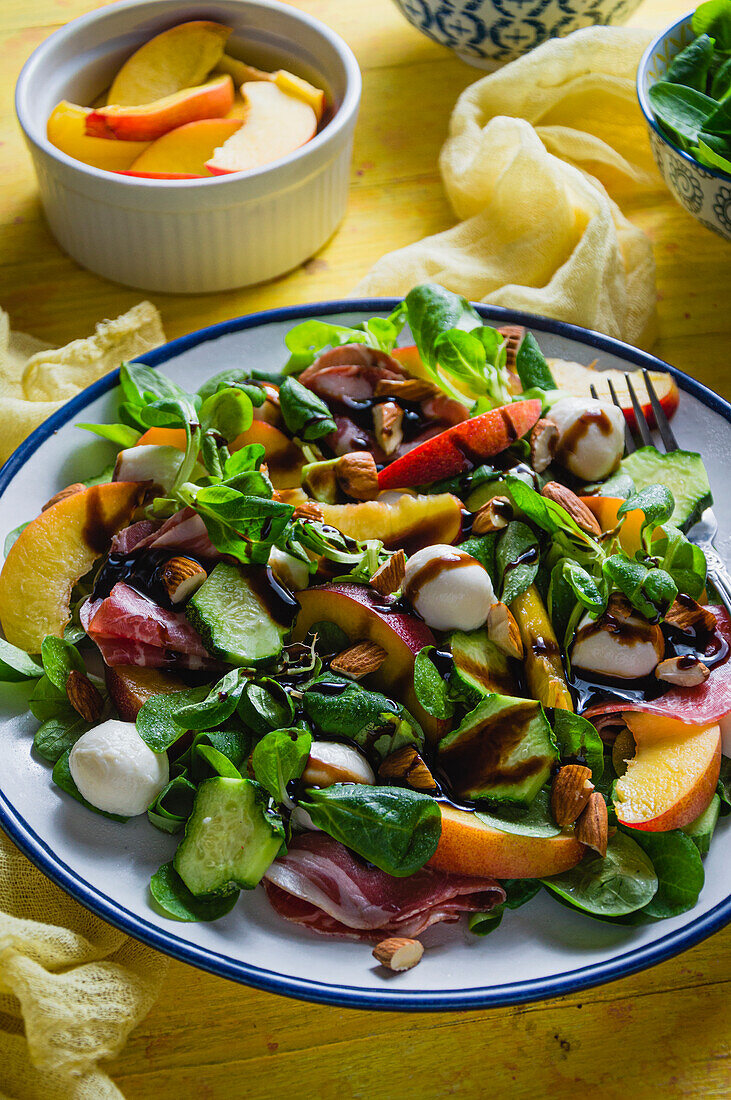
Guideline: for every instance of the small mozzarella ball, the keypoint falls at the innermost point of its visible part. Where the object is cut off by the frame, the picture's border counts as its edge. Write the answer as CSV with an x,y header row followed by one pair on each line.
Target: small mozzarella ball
x,y
330,762
591,436
115,770
292,572
157,464
626,649
448,588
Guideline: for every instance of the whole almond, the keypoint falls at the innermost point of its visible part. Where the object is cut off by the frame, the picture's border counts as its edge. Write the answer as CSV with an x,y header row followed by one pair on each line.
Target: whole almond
x,y
406,764
357,475
398,953
503,630
389,577
686,671
69,491
181,577
513,336
493,516
592,827
309,509
688,615
387,421
543,443
84,696
570,793
575,507
359,660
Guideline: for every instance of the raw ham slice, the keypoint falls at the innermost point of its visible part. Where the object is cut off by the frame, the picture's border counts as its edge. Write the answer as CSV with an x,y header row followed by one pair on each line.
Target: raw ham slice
x,y
358,356
698,706
183,531
320,884
130,629
130,537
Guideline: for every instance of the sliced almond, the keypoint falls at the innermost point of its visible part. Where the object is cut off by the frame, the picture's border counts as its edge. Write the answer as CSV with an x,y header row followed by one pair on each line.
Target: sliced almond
x,y
592,827
359,660
390,576
407,389
69,491
309,509
357,475
513,336
623,750
503,630
398,953
84,697
575,507
493,516
387,421
688,615
686,671
407,765
181,577
543,443
570,793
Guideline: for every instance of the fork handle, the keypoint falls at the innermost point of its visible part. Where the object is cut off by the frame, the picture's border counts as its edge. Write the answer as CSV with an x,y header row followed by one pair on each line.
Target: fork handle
x,y
718,574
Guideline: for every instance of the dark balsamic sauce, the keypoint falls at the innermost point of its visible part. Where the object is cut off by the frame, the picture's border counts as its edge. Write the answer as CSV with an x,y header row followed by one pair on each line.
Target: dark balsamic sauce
x,y
140,569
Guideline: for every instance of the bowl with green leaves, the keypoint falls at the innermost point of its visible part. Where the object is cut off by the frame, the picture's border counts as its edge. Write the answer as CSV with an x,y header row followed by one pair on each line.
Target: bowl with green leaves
x,y
684,89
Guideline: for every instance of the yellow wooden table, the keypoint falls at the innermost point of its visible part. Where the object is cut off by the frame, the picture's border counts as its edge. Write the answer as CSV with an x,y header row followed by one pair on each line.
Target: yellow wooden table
x,y
662,1033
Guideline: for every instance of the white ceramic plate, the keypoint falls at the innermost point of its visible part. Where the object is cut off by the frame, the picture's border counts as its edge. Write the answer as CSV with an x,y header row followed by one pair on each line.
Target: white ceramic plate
x,y
541,950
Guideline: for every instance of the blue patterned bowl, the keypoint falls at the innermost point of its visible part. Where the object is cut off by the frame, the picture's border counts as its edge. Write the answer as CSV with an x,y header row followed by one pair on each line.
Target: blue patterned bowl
x,y
487,32
704,192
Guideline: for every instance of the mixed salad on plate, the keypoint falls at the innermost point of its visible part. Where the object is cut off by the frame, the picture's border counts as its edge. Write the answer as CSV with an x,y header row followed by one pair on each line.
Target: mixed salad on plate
x,y
398,634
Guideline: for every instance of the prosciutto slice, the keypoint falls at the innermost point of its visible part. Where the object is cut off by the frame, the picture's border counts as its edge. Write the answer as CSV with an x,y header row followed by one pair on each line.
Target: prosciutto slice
x,y
130,537
320,884
131,629
184,531
698,706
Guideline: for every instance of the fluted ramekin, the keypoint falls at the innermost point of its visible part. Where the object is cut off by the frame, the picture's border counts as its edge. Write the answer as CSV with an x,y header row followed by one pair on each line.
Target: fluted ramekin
x,y
191,236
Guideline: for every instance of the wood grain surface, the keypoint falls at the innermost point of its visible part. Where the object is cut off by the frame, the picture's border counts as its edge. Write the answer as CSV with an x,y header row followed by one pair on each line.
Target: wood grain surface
x,y
661,1033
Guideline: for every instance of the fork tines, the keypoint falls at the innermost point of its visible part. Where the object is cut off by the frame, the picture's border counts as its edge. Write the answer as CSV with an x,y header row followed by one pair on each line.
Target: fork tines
x,y
643,428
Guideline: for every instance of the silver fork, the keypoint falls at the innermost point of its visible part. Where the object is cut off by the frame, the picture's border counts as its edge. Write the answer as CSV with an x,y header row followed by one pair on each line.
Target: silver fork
x,y
705,530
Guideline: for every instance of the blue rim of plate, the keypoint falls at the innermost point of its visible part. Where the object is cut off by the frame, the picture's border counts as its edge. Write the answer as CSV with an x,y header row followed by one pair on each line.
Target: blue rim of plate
x,y
647,111
63,875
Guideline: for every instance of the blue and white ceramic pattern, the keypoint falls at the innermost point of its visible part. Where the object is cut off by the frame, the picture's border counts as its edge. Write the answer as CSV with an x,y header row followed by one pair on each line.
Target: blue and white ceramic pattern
x,y
704,192
486,32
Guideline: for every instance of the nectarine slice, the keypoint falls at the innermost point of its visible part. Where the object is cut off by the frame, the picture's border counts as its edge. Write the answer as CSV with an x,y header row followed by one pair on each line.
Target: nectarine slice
x,y
276,124
130,686
606,508
469,846
163,437
410,522
149,122
283,457
363,615
578,380
66,129
673,776
186,149
178,58
53,552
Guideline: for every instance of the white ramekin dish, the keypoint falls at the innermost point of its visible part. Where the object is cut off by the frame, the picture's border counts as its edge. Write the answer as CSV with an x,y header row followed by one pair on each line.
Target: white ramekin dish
x,y
191,236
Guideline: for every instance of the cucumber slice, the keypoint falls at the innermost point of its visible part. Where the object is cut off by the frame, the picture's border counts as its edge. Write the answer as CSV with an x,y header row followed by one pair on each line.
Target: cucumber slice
x,y
502,752
230,838
684,474
480,666
232,613
701,829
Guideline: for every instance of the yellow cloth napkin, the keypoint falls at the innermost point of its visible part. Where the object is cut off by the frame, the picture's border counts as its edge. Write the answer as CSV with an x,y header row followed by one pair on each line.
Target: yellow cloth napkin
x,y
35,379
532,151
71,986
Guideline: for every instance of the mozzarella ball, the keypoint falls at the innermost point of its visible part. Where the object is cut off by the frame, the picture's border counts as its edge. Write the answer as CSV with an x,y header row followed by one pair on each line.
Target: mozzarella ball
x,y
448,588
591,436
115,770
624,649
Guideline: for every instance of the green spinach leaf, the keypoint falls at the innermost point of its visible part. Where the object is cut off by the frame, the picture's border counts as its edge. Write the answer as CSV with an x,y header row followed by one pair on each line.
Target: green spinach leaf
x,y
679,871
305,414
280,757
431,689
516,560
16,665
578,741
175,900
622,883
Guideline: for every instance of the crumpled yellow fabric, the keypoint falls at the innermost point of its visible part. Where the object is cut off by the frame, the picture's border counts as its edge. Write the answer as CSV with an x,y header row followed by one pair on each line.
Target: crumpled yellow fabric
x,y
71,987
36,379
532,154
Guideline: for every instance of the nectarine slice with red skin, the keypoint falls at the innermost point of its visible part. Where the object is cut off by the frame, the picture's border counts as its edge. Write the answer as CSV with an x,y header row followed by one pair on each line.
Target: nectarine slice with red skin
x,y
578,379
186,148
468,846
673,776
66,129
53,552
149,122
276,124
409,523
462,447
180,57
363,615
